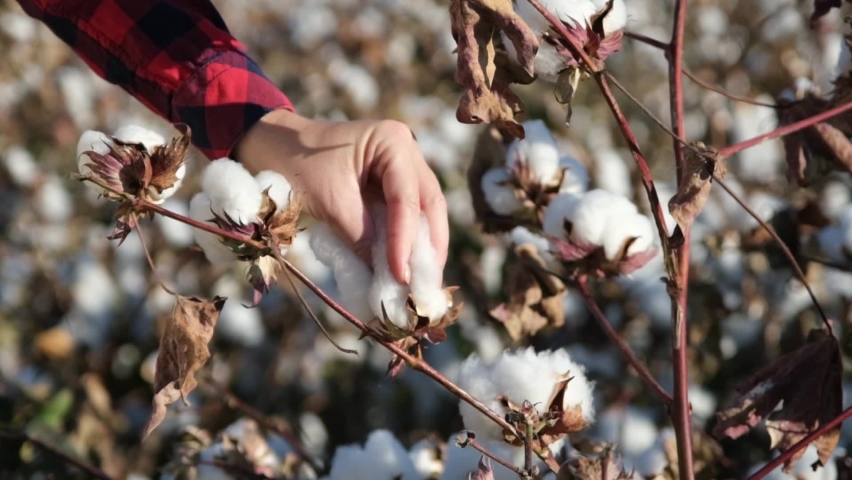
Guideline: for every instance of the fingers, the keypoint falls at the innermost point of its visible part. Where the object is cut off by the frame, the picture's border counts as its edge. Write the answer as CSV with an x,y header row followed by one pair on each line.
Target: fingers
x,y
434,206
400,185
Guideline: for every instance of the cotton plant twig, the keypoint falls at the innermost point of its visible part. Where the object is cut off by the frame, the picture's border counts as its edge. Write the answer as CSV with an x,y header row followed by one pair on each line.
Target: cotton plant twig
x,y
469,440
797,270
620,344
592,65
151,260
647,40
785,130
800,445
680,339
72,462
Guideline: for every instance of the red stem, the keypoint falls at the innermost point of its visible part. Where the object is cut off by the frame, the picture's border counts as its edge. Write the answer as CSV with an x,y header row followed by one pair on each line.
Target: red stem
x,y
680,338
803,443
622,346
786,130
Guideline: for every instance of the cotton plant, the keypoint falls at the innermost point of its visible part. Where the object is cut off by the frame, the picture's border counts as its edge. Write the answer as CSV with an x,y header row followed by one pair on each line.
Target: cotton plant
x,y
534,171
546,387
420,310
599,232
262,207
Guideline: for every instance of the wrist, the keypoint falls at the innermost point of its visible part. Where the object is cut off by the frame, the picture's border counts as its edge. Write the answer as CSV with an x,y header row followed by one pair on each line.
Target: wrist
x,y
273,137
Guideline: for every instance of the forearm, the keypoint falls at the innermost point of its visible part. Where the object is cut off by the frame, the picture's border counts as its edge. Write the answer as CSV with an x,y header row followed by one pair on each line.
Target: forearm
x,y
176,57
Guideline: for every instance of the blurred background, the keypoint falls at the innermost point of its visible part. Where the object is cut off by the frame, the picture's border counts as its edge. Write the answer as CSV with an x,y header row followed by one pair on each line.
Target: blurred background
x,y
79,317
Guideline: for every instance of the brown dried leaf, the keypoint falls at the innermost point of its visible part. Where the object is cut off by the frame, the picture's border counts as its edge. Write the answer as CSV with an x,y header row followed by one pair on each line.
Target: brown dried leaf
x,y
484,470
694,185
564,421
809,383
183,351
535,296
828,141
487,97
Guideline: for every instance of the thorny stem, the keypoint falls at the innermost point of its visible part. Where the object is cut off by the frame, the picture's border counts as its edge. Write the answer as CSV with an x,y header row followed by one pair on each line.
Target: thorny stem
x,y
785,130
787,253
622,346
800,445
680,339
234,402
64,457
470,441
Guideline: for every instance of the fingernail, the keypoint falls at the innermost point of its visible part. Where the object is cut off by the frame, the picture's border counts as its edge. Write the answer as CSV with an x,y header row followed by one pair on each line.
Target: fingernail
x,y
406,275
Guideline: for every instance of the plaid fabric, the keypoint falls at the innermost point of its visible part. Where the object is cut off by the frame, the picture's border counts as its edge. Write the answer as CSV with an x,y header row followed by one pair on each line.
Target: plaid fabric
x,y
175,56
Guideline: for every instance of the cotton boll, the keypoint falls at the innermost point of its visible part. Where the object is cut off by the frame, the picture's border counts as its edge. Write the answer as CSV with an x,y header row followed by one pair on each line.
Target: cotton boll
x,y
500,197
538,150
591,214
279,188
619,229
91,140
616,19
521,235
575,178
424,456
352,275
232,190
215,251
429,297
475,379
834,198
382,458
461,462
138,134
566,10
386,292
561,208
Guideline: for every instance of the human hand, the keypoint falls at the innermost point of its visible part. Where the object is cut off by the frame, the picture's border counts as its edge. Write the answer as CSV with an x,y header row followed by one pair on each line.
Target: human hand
x,y
338,166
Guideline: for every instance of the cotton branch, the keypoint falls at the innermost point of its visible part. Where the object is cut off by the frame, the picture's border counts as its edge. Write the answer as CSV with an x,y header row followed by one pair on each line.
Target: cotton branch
x,y
469,440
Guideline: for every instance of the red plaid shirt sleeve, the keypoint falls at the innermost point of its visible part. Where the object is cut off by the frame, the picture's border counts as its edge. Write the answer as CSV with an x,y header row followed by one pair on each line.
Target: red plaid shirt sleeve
x,y
175,56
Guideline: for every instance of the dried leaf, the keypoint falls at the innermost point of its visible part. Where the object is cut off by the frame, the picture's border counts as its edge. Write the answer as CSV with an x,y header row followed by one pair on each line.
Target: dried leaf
x,y
183,351
694,185
487,97
484,470
809,383
562,421
828,141
535,296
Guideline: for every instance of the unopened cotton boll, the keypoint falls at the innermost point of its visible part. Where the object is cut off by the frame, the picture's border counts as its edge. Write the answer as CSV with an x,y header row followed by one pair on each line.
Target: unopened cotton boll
x,y
538,151
138,134
560,209
279,188
232,190
200,208
387,295
352,275
429,297
498,195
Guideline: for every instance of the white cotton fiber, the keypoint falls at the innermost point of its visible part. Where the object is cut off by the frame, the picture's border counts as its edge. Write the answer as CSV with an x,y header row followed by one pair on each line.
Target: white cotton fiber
x,y
352,275
21,165
616,19
522,375
499,195
560,209
232,190
621,228
460,463
215,251
279,188
381,458
590,217
566,10
575,178
385,290
538,150
137,134
425,455
430,298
